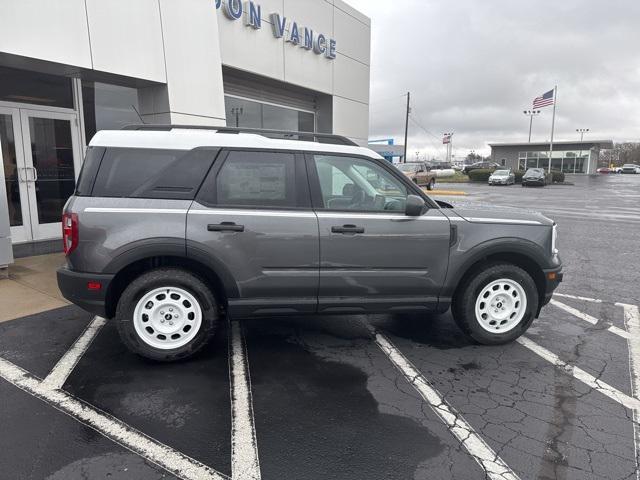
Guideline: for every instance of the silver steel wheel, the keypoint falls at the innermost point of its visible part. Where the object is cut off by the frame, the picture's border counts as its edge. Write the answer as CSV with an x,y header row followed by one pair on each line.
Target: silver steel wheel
x,y
167,318
501,305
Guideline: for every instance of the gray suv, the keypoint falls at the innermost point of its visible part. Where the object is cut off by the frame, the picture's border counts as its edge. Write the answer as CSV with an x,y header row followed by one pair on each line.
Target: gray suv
x,y
170,228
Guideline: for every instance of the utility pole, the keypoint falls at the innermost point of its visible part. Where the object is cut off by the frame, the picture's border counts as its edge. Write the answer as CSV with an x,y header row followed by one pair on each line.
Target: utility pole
x,y
531,114
406,126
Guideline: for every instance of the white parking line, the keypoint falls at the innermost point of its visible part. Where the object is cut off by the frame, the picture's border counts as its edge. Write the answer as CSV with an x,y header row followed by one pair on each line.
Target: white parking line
x,y
245,464
150,449
632,324
592,320
574,312
575,297
494,467
69,360
588,379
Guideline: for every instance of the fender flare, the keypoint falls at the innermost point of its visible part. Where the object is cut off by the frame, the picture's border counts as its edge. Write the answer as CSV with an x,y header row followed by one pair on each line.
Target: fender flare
x,y
177,248
504,245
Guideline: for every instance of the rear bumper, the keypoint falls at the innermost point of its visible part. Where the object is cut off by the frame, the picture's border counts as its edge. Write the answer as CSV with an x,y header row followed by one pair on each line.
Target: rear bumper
x,y
74,287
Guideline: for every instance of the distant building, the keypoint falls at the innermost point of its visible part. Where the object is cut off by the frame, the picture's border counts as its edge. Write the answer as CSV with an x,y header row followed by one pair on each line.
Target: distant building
x,y
568,157
392,153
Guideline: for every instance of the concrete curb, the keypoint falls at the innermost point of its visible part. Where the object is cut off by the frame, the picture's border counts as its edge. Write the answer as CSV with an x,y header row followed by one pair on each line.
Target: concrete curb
x,y
446,192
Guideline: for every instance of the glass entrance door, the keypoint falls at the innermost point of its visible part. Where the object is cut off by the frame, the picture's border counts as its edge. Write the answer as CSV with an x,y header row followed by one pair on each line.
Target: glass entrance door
x,y
41,159
13,175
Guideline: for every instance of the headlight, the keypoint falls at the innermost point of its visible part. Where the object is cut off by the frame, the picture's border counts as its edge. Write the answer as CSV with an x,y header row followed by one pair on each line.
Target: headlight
x,y
554,239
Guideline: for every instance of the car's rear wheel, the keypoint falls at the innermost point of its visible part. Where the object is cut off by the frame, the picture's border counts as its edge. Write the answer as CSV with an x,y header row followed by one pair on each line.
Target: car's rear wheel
x,y
166,314
497,304
431,185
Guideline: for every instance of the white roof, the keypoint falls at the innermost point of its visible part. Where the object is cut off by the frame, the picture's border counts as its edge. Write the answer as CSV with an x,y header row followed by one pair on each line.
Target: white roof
x,y
185,139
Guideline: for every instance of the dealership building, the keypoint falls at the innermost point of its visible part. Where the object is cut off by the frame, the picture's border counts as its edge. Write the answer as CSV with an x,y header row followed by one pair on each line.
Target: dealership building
x,y
568,157
71,67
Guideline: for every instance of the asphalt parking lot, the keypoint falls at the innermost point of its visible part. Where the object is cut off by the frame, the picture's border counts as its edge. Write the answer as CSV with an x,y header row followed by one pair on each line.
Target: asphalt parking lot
x,y
361,397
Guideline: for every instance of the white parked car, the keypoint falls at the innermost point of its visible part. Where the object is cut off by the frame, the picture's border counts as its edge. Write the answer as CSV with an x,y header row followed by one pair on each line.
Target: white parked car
x,y
630,168
502,177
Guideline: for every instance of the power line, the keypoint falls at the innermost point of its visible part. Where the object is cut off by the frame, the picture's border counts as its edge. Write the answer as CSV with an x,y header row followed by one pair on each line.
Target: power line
x,y
424,129
388,99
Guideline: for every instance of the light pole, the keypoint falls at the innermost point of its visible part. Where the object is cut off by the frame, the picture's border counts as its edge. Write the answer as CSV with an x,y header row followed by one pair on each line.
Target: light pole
x,y
449,136
237,111
531,114
581,131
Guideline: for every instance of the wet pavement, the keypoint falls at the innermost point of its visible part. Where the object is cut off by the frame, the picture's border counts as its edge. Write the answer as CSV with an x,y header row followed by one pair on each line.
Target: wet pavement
x,y
329,400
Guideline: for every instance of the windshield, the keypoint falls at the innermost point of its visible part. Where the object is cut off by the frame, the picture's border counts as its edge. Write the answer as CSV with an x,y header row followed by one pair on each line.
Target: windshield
x,y
408,167
501,173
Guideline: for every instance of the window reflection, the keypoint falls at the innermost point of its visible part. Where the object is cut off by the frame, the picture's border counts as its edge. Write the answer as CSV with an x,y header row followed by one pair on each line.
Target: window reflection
x,y
10,166
37,88
566,161
108,107
52,154
251,114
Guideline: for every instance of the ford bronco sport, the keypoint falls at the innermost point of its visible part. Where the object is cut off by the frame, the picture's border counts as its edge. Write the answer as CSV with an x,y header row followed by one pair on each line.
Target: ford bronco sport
x,y
171,227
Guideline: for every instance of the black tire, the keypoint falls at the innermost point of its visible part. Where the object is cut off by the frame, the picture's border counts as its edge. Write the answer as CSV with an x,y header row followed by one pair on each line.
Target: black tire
x,y
431,184
166,277
464,303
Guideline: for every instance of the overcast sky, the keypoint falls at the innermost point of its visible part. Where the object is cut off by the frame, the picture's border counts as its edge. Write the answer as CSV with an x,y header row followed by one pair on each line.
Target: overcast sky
x,y
473,66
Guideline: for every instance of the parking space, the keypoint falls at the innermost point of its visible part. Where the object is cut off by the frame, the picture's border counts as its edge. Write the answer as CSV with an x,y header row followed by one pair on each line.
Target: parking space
x,y
391,397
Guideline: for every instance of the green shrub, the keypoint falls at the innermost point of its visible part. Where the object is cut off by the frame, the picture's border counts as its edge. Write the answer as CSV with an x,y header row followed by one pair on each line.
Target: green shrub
x,y
557,176
519,174
480,175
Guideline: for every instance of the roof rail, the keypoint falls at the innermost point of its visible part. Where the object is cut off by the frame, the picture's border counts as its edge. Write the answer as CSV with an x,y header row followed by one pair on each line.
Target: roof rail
x,y
281,134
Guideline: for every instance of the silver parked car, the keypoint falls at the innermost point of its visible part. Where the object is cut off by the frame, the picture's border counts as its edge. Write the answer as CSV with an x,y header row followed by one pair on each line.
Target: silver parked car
x,y
502,177
171,228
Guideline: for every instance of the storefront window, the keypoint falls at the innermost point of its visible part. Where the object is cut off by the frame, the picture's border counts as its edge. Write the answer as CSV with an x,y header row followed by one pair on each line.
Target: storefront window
x,y
108,107
22,86
250,114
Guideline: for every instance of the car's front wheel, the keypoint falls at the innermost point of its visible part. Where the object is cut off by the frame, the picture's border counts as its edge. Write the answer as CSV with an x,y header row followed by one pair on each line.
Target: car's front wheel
x,y
497,304
166,314
431,185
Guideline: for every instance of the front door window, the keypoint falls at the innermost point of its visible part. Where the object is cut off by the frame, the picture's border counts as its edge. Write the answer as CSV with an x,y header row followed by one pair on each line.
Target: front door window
x,y
360,185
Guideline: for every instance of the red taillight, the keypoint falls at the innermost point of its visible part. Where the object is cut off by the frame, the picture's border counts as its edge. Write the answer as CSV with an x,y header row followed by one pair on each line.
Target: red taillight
x,y
94,286
69,232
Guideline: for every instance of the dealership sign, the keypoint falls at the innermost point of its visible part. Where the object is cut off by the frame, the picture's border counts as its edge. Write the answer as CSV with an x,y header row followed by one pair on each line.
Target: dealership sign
x,y
292,32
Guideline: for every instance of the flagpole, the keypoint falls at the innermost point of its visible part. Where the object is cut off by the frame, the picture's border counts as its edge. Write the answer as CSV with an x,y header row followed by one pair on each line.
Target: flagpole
x,y
553,124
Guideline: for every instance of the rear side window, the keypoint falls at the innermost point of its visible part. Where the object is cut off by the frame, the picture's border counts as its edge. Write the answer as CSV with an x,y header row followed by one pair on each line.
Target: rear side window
x,y
90,167
152,173
257,179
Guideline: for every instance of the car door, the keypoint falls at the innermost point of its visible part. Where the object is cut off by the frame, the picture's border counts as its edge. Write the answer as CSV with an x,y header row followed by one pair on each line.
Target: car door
x,y
252,222
372,256
423,175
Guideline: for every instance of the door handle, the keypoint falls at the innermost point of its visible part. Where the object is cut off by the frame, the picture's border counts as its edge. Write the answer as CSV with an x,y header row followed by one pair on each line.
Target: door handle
x,y
225,227
347,229
35,174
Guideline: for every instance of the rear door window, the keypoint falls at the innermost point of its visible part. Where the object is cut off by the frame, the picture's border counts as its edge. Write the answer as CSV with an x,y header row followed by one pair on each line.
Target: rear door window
x,y
258,179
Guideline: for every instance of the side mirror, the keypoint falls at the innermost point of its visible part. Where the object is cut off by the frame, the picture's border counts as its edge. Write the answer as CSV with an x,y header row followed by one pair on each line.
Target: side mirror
x,y
414,206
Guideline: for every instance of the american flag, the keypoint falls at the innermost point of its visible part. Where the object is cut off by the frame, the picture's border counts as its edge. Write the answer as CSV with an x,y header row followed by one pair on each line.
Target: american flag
x,y
544,100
